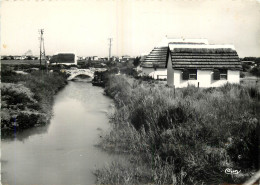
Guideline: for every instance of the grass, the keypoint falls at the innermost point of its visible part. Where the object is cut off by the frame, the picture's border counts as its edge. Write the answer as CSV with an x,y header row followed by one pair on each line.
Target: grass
x,y
26,100
187,138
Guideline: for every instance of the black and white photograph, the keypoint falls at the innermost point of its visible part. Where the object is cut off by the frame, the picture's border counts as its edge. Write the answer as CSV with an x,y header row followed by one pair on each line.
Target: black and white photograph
x,y
130,92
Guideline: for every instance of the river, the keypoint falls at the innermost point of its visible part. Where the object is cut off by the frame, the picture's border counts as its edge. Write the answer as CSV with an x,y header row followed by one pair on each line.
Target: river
x,y
64,151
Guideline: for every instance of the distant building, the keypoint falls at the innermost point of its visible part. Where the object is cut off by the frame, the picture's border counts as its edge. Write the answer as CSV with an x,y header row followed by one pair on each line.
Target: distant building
x,y
95,58
7,58
186,62
48,57
114,58
64,58
125,57
103,59
18,57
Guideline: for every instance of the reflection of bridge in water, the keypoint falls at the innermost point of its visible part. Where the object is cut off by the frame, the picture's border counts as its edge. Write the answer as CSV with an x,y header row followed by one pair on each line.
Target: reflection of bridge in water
x,y
88,72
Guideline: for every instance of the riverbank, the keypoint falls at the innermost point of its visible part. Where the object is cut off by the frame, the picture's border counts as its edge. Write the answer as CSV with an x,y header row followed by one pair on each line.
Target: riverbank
x,y
27,98
182,136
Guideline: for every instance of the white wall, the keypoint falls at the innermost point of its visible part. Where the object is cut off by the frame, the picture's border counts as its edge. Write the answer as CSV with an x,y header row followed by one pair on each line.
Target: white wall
x,y
204,77
147,71
160,73
234,76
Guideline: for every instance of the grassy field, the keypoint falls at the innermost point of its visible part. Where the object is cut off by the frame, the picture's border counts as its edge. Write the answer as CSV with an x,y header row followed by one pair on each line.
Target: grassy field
x,y
187,138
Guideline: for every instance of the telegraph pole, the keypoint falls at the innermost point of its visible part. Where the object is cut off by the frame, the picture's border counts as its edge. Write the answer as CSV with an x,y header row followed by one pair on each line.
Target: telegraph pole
x,y
110,44
42,49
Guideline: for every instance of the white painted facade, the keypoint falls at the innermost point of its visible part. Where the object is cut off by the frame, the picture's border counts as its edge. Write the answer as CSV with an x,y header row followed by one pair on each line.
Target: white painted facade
x,y
159,73
204,76
204,79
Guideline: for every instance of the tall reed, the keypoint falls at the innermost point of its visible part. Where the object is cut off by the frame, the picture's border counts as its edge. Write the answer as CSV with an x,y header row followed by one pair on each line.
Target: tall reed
x,y
187,138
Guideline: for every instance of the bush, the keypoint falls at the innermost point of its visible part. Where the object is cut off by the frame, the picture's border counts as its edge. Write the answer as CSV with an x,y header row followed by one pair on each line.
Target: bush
x,y
255,71
25,121
245,67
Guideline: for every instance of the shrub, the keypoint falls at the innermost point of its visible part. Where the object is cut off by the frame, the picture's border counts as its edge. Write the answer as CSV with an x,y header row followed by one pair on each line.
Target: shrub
x,y
245,67
255,71
27,120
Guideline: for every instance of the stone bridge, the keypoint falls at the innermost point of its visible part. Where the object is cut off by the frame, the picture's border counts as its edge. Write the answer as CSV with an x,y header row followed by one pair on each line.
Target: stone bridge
x,y
88,72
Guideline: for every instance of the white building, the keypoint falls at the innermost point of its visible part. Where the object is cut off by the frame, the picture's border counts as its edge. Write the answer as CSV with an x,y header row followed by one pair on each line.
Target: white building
x,y
193,63
203,66
64,58
154,64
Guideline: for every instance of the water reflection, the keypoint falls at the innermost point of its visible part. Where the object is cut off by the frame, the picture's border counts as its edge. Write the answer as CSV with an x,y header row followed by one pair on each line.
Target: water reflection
x,y
21,136
62,152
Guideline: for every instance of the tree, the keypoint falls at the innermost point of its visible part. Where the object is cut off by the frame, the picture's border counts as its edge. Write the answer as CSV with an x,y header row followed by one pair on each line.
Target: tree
x,y
255,71
137,61
245,67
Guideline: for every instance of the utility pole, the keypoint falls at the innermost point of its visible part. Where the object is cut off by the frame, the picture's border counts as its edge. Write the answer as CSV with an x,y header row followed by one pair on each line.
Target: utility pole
x,y
42,49
110,44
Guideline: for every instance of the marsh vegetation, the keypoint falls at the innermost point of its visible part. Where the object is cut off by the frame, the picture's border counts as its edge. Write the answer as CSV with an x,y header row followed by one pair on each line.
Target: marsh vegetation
x,y
182,136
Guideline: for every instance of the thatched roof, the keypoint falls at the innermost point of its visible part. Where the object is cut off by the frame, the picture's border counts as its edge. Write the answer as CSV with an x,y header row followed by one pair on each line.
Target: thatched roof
x,y
205,58
197,55
157,58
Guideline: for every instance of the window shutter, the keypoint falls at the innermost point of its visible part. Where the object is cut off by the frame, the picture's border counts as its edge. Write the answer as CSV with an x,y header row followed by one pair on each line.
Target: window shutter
x,y
193,74
185,74
216,74
155,66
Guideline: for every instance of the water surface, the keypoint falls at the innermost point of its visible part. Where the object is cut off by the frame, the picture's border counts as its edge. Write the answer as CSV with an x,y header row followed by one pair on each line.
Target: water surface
x,y
62,152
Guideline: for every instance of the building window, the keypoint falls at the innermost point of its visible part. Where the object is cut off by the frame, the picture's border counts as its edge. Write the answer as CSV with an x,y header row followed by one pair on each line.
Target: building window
x,y
189,74
163,77
220,74
155,66
223,74
193,74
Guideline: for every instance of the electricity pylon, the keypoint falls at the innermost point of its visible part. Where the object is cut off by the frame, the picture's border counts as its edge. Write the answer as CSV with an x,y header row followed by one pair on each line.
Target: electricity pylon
x,y
110,44
42,49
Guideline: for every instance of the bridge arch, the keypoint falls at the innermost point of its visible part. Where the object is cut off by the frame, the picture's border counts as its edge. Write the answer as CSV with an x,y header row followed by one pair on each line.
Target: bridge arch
x,y
77,72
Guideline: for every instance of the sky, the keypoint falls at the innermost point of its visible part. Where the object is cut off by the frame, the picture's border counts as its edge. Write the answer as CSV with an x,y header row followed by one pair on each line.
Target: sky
x,y
136,26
